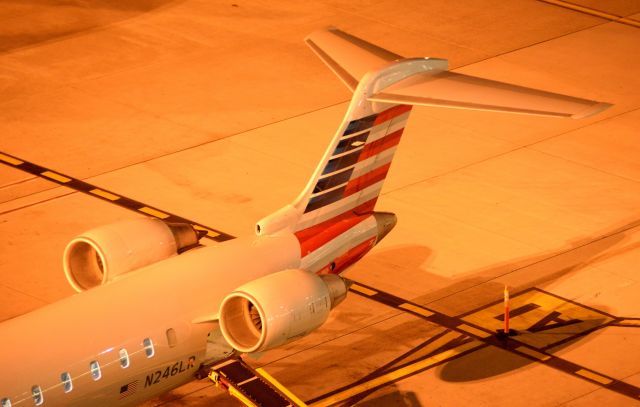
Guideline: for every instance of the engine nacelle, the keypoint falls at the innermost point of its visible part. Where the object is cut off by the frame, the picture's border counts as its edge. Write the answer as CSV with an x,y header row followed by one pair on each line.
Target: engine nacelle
x,y
278,308
97,256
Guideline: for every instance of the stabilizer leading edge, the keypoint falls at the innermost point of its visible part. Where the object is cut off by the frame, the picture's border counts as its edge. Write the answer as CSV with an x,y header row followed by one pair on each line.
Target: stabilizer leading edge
x,y
351,58
333,217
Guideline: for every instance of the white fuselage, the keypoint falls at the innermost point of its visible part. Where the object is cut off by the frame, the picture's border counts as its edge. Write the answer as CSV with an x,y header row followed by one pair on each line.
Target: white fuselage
x,y
173,303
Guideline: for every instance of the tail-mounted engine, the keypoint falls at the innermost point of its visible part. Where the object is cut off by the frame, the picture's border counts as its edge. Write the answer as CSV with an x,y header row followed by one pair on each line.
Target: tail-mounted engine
x,y
278,308
99,255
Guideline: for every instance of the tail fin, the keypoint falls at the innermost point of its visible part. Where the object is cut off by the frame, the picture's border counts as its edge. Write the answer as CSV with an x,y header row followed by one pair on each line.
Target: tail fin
x,y
349,178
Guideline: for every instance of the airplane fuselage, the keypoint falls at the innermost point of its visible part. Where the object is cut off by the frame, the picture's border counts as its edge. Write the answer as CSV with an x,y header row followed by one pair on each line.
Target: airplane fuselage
x,y
40,347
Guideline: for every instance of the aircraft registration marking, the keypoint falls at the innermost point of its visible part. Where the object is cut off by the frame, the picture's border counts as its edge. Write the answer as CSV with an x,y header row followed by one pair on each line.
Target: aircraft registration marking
x,y
169,371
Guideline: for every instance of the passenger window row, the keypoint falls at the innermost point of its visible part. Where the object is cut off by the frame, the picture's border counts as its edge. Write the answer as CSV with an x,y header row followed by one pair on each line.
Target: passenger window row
x,y
94,369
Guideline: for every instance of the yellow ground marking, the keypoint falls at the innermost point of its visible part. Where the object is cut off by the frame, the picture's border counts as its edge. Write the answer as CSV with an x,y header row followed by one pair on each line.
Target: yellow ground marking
x,y
546,304
627,322
235,393
56,176
416,309
153,212
280,387
594,12
396,374
10,160
535,354
441,341
105,194
473,330
594,376
210,232
363,290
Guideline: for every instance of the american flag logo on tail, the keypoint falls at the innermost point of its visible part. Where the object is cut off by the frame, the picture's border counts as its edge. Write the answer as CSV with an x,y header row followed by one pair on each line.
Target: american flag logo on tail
x,y
346,190
354,173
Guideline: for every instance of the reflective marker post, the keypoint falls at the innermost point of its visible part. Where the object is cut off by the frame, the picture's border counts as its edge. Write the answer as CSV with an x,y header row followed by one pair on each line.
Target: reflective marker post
x,y
506,309
506,331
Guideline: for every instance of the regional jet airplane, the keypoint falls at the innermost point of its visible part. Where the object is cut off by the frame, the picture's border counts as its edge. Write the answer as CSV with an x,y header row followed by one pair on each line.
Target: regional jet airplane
x,y
253,293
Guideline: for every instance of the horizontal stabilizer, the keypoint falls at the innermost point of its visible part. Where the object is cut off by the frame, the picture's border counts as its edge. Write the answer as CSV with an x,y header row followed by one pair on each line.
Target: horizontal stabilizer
x,y
347,56
454,90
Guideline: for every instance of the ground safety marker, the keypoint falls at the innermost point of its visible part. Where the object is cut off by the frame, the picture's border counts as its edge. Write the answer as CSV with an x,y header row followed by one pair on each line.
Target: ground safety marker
x,y
534,311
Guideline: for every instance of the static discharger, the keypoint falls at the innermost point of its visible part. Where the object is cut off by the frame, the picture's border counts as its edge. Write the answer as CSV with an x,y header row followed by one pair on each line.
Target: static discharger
x,y
505,331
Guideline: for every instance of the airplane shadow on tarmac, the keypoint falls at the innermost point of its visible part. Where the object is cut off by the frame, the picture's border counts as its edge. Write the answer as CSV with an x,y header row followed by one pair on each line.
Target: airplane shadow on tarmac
x,y
473,291
381,342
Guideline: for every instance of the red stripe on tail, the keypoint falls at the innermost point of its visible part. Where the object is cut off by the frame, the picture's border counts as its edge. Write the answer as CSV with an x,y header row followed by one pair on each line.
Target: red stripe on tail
x,y
352,255
318,235
391,113
380,145
368,179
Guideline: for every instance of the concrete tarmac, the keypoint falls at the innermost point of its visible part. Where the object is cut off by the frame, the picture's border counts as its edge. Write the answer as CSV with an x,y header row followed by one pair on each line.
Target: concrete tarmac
x,y
218,112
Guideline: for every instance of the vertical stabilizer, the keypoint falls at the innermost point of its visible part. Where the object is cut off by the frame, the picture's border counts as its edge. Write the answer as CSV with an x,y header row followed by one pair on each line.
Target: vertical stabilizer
x,y
333,217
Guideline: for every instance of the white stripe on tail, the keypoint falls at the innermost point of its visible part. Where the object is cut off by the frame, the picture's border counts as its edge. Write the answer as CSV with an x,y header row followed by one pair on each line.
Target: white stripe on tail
x,y
333,218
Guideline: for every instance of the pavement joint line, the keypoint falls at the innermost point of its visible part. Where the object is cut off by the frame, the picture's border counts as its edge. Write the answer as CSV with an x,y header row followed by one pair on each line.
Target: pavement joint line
x,y
511,345
593,12
105,195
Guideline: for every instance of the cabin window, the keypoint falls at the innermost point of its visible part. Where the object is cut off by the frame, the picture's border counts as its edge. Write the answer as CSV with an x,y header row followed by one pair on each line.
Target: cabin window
x,y
66,382
36,393
96,374
148,347
5,403
124,358
172,339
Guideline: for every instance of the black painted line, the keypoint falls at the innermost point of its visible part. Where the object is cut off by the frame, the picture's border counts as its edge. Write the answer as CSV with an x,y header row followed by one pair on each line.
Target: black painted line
x,y
511,344
105,195
518,311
